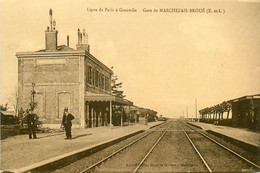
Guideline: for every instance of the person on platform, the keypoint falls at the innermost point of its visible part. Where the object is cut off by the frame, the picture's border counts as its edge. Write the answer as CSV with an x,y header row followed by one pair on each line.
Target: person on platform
x,y
31,122
66,123
146,119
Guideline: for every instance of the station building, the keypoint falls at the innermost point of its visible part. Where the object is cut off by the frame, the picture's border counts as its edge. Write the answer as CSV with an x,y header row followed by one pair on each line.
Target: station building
x,y
246,111
64,77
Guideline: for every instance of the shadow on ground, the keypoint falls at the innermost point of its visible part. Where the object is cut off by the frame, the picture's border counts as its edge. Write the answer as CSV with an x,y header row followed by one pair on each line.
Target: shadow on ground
x,y
81,136
50,135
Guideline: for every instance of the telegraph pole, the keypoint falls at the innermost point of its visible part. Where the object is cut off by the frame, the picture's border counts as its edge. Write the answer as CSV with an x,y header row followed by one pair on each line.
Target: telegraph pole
x,y
187,113
196,107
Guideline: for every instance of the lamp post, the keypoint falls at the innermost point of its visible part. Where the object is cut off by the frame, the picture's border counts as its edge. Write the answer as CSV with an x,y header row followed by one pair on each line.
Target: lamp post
x,y
121,112
196,108
32,97
107,112
137,116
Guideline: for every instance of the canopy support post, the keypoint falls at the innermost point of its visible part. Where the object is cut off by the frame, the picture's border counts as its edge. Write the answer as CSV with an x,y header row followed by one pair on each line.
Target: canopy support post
x,y
110,109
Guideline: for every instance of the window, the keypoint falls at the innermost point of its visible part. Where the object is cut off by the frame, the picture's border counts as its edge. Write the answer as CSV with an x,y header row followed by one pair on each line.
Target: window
x,y
106,84
96,78
101,83
90,75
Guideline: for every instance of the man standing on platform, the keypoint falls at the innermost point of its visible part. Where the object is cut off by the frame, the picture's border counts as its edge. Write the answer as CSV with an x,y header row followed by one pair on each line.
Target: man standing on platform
x,y
31,122
66,122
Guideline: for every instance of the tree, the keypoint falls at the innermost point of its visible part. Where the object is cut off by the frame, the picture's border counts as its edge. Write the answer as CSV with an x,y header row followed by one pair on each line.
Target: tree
x,y
219,110
117,109
223,108
208,112
13,100
4,107
212,111
115,86
200,112
229,107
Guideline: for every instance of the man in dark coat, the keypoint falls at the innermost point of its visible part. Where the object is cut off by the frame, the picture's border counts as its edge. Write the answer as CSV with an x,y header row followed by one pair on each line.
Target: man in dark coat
x,y
66,122
31,122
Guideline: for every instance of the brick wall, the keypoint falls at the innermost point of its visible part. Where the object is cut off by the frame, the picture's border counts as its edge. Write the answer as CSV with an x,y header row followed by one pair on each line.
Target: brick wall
x,y
56,86
92,88
59,82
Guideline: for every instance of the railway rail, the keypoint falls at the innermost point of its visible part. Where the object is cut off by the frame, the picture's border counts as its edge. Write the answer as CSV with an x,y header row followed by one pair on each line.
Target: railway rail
x,y
150,148
215,142
139,165
123,148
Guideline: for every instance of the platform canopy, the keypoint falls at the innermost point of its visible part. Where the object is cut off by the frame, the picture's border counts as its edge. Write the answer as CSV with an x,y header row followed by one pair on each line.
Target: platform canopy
x,y
248,97
107,98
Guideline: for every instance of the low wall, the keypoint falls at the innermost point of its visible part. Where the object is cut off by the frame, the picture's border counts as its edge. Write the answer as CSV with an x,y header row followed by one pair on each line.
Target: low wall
x,y
223,122
241,144
236,142
9,130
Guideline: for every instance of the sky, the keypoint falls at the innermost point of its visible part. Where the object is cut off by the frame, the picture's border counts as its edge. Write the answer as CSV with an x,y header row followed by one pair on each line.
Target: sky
x,y
165,60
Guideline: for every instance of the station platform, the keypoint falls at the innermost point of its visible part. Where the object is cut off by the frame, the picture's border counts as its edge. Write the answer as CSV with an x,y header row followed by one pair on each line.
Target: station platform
x,y
238,134
21,154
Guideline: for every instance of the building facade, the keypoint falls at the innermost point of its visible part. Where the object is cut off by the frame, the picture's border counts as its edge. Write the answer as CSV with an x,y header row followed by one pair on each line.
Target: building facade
x,y
240,112
64,77
245,111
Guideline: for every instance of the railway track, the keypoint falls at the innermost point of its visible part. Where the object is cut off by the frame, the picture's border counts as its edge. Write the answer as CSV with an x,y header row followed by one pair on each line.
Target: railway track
x,y
205,162
166,149
90,168
142,161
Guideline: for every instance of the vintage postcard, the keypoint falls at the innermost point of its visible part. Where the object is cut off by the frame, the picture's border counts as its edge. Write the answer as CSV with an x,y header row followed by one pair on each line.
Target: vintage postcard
x,y
130,86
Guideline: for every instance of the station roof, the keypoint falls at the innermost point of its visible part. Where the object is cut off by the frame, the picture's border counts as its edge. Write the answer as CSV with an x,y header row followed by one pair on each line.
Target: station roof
x,y
248,97
59,48
62,51
106,97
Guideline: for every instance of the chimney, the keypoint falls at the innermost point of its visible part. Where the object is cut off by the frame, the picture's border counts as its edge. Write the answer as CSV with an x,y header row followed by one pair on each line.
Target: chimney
x,y
82,41
51,35
84,34
78,36
68,41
